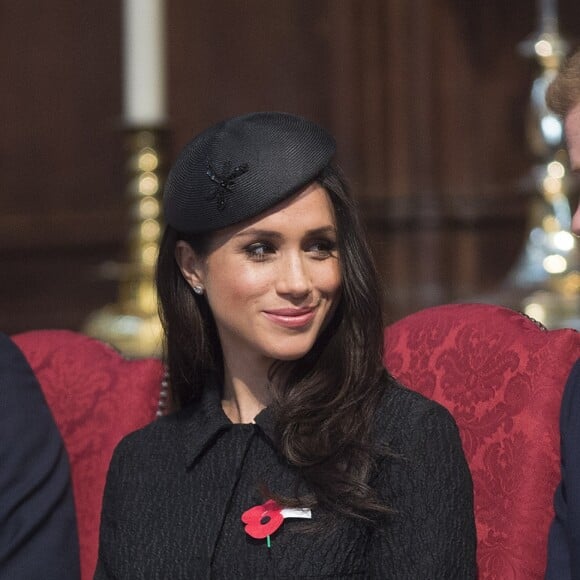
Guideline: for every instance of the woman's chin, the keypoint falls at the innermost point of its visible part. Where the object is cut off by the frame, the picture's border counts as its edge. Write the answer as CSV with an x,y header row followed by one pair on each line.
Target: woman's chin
x,y
291,355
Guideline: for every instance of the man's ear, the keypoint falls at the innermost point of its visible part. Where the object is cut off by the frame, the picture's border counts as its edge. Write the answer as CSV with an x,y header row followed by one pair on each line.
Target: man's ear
x,y
190,264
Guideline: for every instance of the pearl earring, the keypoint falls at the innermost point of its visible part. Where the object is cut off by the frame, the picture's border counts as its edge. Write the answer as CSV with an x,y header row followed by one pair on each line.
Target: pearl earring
x,y
198,289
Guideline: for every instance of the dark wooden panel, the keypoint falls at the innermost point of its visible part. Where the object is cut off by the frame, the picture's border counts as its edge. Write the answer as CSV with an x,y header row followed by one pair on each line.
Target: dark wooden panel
x,y
54,288
60,145
228,58
426,98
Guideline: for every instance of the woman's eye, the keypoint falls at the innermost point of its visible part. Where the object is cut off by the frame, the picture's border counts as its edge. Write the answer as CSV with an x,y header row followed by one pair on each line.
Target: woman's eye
x,y
259,251
323,248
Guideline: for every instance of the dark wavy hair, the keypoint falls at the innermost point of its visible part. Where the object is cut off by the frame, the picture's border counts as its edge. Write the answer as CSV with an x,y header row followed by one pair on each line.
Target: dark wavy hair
x,y
324,403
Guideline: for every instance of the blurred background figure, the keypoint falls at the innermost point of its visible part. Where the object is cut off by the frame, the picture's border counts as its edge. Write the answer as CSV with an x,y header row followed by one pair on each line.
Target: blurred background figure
x,y
564,540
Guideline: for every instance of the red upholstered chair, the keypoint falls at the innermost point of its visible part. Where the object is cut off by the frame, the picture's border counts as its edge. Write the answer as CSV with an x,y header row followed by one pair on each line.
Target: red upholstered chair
x,y
501,376
498,373
96,397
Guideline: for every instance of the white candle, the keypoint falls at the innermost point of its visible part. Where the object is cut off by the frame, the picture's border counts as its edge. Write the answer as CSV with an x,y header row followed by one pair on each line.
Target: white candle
x,y
144,63
547,15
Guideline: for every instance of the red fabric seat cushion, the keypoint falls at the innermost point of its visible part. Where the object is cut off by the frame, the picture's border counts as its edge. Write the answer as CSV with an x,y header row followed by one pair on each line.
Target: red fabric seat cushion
x,y
96,397
501,376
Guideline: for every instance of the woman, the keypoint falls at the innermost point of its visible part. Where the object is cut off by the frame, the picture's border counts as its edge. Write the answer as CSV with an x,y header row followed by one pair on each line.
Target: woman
x,y
294,454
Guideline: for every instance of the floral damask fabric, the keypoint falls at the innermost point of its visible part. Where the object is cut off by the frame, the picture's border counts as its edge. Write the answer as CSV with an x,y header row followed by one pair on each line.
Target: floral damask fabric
x,y
498,373
501,376
96,397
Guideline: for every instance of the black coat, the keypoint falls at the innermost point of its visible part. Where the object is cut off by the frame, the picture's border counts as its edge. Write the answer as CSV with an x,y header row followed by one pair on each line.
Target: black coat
x,y
564,538
38,533
176,491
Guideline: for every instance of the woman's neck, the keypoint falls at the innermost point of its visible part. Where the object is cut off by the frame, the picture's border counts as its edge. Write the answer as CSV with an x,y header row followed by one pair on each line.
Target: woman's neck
x,y
245,394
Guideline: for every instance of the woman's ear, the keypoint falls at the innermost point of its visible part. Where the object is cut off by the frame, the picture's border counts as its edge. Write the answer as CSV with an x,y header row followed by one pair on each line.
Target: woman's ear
x,y
190,264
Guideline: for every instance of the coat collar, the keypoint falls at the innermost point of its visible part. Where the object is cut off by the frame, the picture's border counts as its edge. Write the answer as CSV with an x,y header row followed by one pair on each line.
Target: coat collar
x,y
205,421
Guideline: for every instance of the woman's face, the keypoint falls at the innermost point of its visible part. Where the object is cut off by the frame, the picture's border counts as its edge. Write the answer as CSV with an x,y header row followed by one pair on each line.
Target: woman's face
x,y
273,281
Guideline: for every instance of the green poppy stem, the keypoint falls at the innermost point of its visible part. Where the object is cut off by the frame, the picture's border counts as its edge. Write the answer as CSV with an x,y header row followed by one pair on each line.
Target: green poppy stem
x,y
268,541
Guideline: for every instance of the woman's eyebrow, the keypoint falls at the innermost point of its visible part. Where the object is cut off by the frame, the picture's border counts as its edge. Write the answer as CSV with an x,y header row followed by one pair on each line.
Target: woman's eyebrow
x,y
323,230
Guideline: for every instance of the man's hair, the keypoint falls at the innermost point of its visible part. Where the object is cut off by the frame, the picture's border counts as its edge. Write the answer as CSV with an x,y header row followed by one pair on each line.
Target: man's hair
x,y
564,92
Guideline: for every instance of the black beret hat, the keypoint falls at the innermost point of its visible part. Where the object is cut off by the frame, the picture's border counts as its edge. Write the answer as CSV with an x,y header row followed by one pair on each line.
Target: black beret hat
x,y
241,167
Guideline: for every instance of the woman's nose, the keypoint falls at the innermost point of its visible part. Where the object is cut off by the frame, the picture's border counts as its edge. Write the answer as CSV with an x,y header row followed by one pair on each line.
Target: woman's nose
x,y
294,277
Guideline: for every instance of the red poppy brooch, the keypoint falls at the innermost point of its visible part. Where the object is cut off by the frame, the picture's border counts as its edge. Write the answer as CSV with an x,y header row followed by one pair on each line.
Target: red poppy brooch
x,y
263,520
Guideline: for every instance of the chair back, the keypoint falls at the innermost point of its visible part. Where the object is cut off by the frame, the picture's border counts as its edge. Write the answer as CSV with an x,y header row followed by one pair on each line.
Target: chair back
x,y
501,375
97,397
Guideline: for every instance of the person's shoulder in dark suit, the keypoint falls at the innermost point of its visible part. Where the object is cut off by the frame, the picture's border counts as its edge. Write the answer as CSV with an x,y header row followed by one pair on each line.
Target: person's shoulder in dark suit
x,y
38,534
564,537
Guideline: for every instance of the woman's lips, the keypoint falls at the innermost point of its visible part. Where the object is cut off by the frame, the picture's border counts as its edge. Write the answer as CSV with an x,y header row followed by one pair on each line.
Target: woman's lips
x,y
291,317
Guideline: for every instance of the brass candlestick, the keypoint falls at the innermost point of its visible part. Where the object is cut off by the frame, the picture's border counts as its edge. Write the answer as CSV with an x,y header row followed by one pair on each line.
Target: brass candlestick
x,y
132,324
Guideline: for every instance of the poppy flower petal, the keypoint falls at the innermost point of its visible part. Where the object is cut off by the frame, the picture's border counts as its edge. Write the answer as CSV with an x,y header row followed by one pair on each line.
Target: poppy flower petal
x,y
271,505
253,514
263,520
260,530
257,512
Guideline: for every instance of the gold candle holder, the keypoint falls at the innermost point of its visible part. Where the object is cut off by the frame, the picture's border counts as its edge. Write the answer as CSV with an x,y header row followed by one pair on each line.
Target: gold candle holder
x,y
132,324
